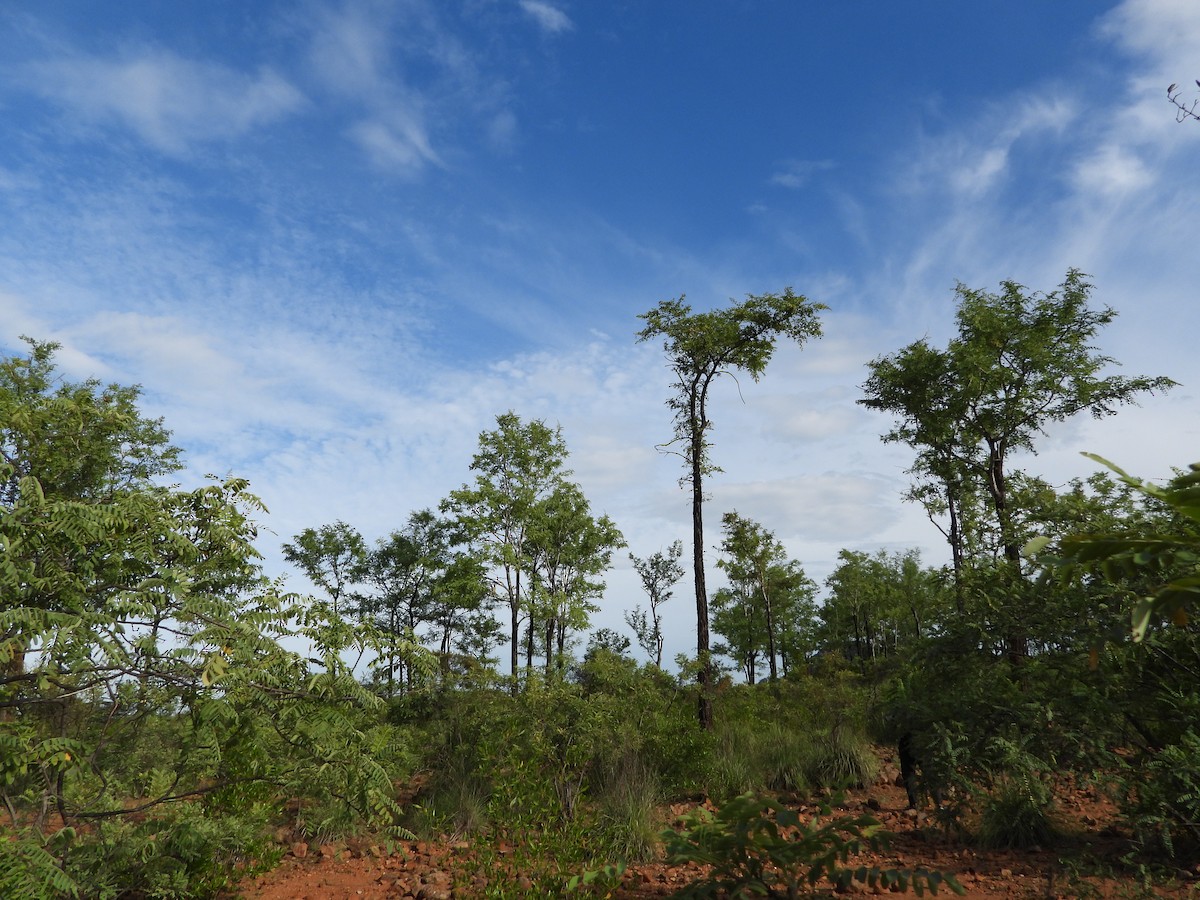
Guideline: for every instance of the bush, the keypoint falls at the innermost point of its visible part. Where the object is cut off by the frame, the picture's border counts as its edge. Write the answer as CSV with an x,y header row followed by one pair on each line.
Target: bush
x,y
843,757
1160,801
627,794
754,845
1015,816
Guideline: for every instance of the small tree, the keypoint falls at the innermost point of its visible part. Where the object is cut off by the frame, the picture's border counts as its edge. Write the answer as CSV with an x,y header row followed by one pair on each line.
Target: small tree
x,y
658,573
149,715
402,571
1019,362
517,466
750,553
569,549
700,348
333,557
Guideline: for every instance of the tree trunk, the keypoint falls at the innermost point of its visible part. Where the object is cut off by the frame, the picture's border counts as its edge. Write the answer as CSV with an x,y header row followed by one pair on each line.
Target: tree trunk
x,y
956,547
516,645
762,586
705,706
562,640
1016,640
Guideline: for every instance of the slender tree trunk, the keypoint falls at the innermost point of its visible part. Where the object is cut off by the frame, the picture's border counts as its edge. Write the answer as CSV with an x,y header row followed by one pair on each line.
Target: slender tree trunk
x,y
953,501
658,635
1016,639
762,586
705,706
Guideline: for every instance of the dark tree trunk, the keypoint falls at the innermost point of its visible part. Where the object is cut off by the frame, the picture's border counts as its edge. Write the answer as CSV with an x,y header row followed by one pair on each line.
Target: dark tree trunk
x,y
762,584
705,706
1016,640
953,501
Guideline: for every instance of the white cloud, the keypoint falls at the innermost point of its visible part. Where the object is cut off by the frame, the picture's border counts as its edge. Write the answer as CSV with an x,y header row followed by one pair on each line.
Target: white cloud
x,y
796,173
1165,31
502,131
842,507
1112,170
395,141
168,101
549,18
410,83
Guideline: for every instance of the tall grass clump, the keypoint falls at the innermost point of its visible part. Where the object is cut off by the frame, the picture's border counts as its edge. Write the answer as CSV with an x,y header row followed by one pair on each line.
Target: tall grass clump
x,y
1015,816
626,792
842,757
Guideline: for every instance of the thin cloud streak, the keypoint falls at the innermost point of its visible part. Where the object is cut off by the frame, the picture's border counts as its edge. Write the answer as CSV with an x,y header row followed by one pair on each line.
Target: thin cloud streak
x,y
171,103
549,18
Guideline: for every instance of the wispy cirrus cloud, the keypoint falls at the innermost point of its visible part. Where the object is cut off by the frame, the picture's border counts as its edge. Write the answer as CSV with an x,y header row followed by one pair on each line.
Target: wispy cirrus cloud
x,y
549,18
409,81
170,102
796,173
352,54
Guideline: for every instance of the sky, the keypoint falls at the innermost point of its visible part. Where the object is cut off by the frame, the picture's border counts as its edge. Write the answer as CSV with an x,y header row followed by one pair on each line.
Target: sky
x,y
334,240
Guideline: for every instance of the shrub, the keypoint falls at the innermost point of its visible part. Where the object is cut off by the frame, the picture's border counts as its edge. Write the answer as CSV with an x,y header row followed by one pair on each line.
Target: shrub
x,y
843,757
1015,815
754,845
1160,800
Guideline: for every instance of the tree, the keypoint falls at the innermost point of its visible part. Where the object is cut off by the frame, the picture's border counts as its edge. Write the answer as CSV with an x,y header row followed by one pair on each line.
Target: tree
x,y
332,557
403,569
462,603
608,640
750,553
82,441
769,596
569,549
795,614
518,466
142,680
1019,362
880,603
701,347
658,573
1169,562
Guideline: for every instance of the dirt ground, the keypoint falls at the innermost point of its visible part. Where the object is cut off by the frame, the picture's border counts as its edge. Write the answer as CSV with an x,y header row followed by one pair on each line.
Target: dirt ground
x,y
439,870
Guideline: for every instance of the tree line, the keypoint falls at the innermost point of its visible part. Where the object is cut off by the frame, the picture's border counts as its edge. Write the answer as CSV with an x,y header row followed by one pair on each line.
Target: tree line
x,y
142,652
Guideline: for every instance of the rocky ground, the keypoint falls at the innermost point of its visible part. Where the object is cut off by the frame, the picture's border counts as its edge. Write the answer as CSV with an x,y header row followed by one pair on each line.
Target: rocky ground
x,y
362,870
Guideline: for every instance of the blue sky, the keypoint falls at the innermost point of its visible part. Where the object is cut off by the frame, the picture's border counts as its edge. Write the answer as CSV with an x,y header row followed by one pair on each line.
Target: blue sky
x,y
333,240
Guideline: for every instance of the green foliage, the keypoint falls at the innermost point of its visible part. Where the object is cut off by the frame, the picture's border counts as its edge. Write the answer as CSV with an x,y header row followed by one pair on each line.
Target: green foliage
x,y
658,573
1015,815
181,850
769,600
145,697
1169,562
757,846
1159,796
1019,362
30,871
756,755
842,757
541,549
333,557
604,878
881,605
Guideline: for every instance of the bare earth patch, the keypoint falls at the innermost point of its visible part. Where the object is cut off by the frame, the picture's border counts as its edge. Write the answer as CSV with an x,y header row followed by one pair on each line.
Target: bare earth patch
x,y
433,870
